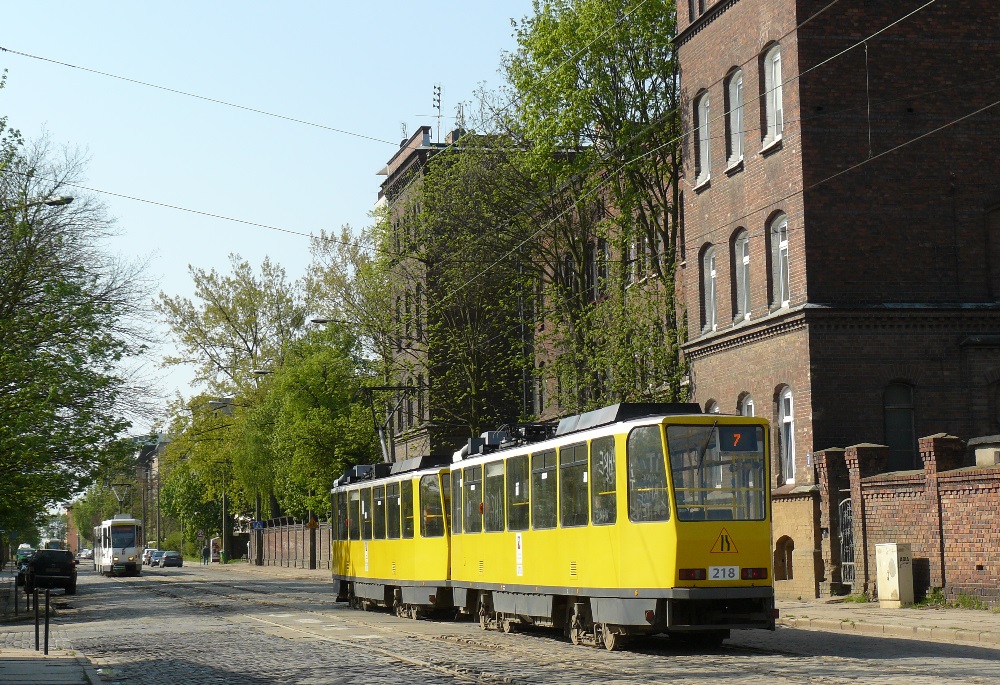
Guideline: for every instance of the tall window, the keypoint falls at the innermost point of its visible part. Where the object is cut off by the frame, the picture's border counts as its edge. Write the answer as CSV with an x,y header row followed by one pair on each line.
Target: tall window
x,y
779,261
786,421
771,97
900,435
709,289
702,140
741,275
734,117
746,406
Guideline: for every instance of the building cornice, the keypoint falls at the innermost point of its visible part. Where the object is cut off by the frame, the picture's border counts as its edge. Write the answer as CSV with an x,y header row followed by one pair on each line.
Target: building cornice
x,y
776,323
710,15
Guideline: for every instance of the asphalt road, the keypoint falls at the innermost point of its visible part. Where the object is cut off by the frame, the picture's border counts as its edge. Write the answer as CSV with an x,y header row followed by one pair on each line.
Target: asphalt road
x,y
195,625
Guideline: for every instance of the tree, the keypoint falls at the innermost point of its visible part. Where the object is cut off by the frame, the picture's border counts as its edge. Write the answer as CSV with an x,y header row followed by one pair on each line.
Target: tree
x,y
597,105
69,327
240,322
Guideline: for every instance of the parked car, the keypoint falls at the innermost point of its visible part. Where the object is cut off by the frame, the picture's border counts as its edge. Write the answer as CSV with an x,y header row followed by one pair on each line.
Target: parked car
x,y
85,553
51,568
171,559
155,556
21,560
147,555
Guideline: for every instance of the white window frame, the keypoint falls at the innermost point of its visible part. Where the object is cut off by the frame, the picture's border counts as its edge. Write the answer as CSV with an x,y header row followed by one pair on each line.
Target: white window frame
x,y
703,113
780,252
773,96
735,118
741,252
709,275
786,419
746,406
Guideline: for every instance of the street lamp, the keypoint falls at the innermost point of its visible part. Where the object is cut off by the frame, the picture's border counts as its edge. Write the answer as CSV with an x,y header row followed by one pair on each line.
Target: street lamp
x,y
261,372
52,201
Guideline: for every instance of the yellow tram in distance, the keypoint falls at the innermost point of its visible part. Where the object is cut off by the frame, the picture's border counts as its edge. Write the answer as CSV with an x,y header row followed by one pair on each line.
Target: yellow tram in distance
x,y
633,519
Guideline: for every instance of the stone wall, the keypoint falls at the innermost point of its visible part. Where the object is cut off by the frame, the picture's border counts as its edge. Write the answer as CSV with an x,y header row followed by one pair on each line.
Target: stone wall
x,y
294,544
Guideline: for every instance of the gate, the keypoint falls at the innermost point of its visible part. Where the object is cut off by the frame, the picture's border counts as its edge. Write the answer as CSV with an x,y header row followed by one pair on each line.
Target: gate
x,y
846,543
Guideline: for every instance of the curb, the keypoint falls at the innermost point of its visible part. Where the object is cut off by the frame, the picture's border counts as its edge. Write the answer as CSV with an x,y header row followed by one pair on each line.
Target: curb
x,y
911,632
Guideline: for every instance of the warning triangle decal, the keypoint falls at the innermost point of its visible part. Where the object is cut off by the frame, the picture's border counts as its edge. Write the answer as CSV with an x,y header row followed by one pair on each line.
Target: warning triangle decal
x,y
724,544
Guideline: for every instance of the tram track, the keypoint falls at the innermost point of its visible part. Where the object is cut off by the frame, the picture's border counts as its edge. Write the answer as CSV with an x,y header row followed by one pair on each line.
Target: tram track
x,y
244,594
238,596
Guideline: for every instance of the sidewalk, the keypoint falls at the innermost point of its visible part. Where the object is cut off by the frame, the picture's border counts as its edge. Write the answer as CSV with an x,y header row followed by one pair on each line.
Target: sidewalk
x,y
919,623
60,667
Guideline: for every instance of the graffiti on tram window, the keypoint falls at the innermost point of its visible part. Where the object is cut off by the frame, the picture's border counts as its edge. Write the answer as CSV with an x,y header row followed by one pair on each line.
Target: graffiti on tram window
x,y
604,504
647,476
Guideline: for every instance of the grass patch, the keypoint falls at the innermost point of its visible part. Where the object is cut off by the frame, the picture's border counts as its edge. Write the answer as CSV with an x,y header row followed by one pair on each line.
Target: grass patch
x,y
856,599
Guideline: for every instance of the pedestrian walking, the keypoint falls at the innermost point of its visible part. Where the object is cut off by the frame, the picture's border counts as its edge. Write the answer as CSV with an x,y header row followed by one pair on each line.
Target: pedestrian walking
x,y
205,552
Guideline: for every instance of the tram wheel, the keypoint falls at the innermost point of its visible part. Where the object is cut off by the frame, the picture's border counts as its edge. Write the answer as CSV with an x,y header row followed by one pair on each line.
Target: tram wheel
x,y
612,641
415,612
508,625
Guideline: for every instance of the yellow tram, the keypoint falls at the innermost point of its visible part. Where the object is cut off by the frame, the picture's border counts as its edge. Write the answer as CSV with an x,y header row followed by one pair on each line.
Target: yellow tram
x,y
632,519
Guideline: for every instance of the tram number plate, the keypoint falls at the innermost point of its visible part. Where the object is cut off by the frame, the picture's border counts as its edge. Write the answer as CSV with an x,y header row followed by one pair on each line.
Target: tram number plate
x,y
723,572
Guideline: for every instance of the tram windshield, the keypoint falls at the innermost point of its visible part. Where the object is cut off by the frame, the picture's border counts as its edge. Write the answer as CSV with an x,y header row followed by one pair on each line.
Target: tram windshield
x,y
718,472
123,536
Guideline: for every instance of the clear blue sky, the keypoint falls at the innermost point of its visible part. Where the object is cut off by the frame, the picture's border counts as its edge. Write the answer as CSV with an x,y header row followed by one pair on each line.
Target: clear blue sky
x,y
357,66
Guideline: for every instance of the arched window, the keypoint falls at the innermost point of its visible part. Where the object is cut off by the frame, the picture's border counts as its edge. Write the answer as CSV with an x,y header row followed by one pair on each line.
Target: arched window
x,y
712,407
783,549
703,157
734,118
786,423
746,405
900,435
772,97
709,289
741,275
780,281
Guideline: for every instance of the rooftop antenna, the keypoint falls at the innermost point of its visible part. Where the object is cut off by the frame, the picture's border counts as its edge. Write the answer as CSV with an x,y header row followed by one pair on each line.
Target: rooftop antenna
x,y
402,129
460,116
436,103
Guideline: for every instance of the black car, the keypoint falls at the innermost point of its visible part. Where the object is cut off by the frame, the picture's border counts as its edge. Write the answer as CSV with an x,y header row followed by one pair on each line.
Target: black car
x,y
51,568
171,559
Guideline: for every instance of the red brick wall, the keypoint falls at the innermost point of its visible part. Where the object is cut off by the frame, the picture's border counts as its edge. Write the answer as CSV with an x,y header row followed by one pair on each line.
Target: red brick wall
x,y
289,545
950,518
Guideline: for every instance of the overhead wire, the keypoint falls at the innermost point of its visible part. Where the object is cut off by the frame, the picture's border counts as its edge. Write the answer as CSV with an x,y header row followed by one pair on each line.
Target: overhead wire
x,y
196,96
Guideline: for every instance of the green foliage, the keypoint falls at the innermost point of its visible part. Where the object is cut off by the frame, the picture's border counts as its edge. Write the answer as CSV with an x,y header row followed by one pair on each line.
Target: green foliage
x,y
596,84
173,542
66,334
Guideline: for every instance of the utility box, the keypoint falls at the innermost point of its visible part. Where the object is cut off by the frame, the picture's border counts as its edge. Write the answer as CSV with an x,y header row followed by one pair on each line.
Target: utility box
x,y
894,566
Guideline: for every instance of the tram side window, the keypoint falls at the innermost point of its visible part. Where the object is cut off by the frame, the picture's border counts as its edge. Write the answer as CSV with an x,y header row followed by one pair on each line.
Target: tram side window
x,y
406,492
456,502
603,499
573,493
493,497
647,476
432,520
341,515
366,514
378,511
354,520
543,490
473,493
392,511
518,504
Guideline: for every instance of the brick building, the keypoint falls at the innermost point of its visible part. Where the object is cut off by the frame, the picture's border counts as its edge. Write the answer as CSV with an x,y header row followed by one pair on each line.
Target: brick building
x,y
841,270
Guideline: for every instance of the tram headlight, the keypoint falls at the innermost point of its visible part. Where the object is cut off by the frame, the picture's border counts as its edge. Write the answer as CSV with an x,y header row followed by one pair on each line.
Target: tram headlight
x,y
116,560
131,558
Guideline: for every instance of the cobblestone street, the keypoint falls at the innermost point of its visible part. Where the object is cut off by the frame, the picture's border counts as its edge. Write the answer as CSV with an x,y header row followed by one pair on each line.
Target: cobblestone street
x,y
199,625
